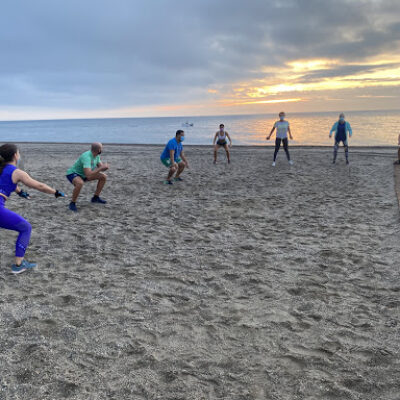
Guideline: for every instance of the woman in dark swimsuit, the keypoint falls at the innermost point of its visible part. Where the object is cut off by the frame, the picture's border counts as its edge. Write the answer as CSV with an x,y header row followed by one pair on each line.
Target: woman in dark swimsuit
x,y
220,141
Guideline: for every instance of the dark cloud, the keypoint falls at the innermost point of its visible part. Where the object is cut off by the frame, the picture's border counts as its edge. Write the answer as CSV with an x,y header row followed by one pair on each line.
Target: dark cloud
x,y
100,54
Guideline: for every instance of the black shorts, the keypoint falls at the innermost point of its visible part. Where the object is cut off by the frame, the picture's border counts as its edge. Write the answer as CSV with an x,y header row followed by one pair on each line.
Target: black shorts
x,y
221,142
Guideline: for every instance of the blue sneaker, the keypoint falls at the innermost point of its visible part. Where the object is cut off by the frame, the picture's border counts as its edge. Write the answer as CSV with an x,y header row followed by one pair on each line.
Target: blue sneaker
x,y
167,182
72,207
97,199
25,265
178,179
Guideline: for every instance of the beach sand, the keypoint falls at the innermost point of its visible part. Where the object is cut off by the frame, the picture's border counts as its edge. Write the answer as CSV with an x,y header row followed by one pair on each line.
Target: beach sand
x,y
243,282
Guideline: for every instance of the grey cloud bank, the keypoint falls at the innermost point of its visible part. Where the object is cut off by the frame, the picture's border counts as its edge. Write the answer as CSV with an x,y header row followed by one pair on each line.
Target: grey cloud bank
x,y
100,54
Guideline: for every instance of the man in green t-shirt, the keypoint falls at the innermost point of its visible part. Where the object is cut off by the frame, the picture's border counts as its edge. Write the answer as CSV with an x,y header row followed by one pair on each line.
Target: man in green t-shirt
x,y
88,167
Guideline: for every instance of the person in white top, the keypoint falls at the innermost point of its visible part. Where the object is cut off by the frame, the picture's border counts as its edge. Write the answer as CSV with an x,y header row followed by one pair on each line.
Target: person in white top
x,y
220,139
282,129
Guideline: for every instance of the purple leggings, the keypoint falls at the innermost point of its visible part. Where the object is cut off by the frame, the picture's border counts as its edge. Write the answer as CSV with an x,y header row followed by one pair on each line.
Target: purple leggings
x,y
14,222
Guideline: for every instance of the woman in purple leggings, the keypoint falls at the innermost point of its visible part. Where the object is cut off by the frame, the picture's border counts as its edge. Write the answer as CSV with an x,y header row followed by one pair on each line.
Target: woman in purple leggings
x,y
10,175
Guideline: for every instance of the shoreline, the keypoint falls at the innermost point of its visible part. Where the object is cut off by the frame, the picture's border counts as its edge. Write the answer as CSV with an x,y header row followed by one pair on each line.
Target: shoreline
x,y
199,116
300,146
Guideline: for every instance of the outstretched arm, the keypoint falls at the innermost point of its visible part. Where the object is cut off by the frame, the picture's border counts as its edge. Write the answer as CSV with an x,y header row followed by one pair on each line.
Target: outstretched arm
x,y
23,177
272,130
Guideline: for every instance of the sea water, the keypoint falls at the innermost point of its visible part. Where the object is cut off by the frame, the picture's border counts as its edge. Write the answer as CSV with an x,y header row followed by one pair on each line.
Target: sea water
x,y
370,128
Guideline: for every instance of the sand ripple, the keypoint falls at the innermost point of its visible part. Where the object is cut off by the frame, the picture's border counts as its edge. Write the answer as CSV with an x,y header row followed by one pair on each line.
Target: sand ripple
x,y
244,282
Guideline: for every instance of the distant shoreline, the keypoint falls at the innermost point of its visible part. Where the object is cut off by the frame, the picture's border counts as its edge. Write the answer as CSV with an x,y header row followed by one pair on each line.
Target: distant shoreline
x,y
188,117
300,146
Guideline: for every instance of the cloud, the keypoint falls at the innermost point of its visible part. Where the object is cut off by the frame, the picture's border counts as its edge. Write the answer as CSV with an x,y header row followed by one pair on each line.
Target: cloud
x,y
102,55
341,71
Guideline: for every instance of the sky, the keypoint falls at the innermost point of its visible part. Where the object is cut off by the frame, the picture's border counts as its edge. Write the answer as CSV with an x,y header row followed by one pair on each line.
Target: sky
x,y
128,58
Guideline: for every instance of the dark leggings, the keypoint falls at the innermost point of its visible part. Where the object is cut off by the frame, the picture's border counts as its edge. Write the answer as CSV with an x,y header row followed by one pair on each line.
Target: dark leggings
x,y
285,146
336,148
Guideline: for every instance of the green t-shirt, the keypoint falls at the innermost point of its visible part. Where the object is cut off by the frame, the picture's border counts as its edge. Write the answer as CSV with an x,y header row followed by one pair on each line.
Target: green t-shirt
x,y
86,160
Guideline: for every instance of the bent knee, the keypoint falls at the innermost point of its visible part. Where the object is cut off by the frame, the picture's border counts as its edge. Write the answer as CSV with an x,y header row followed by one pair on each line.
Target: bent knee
x,y
78,184
25,227
28,227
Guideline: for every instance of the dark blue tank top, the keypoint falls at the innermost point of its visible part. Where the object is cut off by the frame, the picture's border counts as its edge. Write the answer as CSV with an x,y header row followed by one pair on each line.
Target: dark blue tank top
x,y
7,186
341,132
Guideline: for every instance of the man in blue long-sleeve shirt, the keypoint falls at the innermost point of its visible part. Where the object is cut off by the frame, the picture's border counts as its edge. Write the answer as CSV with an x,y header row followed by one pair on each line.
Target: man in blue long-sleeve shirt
x,y
342,131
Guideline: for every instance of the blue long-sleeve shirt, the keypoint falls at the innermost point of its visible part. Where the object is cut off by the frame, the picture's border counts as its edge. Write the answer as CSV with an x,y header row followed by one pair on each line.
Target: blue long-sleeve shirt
x,y
335,129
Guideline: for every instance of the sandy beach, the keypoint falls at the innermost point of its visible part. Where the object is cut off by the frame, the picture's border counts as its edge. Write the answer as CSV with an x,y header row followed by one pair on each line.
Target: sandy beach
x,y
242,282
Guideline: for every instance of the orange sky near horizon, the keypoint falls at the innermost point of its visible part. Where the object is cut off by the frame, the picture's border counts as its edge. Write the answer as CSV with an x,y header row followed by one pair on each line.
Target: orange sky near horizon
x,y
289,87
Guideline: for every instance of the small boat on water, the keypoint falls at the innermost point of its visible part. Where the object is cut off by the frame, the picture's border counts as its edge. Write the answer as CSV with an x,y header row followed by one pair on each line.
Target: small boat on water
x,y
187,124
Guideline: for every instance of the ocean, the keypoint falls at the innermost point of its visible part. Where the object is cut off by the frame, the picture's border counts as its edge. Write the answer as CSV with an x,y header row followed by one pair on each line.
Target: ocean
x,y
370,128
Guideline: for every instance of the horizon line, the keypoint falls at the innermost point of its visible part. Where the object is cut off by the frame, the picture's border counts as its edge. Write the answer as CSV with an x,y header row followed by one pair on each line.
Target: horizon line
x,y
197,116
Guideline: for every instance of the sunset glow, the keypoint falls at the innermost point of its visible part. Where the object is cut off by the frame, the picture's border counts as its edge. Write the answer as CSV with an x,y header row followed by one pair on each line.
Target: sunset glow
x,y
201,58
314,77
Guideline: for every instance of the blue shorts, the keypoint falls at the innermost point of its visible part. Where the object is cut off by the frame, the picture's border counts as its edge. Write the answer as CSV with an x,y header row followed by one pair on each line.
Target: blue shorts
x,y
71,177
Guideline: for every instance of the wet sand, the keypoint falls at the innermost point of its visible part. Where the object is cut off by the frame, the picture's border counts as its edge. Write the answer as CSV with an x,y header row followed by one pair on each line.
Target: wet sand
x,y
243,282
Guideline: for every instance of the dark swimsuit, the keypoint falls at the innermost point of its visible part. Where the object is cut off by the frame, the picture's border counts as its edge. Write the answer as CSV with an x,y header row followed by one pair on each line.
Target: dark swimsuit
x,y
341,134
